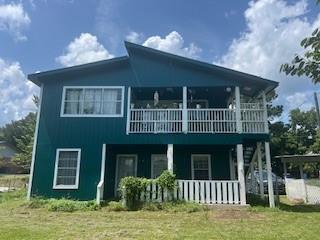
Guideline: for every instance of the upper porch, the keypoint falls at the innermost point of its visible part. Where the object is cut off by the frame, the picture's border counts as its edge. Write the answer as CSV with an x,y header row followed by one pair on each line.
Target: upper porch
x,y
195,110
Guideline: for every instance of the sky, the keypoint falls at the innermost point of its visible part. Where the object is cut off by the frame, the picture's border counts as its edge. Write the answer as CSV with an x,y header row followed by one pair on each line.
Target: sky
x,y
251,36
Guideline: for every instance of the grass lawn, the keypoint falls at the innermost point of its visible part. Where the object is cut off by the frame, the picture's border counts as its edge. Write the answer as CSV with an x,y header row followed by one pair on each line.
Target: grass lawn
x,y
19,221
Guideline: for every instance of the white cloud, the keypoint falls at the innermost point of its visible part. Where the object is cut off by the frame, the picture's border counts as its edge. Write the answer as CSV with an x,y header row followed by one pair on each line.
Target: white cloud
x,y
134,37
173,43
274,32
14,19
83,49
16,92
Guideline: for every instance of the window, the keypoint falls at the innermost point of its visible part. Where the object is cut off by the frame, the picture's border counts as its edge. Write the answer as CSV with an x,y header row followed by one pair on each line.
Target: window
x,y
92,101
159,163
201,166
66,173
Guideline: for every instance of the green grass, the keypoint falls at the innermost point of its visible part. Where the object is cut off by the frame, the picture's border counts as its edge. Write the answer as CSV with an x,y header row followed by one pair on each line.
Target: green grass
x,y
19,220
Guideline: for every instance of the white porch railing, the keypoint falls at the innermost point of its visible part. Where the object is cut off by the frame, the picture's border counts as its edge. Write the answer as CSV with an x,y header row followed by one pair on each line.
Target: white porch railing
x,y
155,120
198,191
214,120
211,120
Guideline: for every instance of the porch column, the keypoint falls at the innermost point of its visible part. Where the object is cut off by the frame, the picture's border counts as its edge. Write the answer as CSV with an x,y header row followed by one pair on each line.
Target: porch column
x,y
265,113
170,157
128,110
184,111
301,170
285,172
238,110
240,165
269,172
261,190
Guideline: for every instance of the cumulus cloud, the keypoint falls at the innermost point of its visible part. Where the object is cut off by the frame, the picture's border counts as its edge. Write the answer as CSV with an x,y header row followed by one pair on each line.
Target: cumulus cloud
x,y
16,99
14,19
134,37
273,35
83,49
173,43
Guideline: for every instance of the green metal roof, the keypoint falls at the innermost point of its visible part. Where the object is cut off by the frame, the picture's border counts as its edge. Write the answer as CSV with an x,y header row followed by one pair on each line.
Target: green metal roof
x,y
238,78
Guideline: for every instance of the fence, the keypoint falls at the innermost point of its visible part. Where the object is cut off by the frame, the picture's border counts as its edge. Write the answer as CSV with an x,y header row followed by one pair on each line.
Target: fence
x,y
300,190
198,191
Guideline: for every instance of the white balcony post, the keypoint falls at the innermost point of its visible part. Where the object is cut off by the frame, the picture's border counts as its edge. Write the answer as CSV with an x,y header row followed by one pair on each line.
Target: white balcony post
x,y
265,112
170,157
128,110
260,170
240,165
269,173
238,110
184,111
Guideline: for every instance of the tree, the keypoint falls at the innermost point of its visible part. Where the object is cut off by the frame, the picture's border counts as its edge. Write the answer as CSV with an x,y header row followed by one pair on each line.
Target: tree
x,y
308,64
20,134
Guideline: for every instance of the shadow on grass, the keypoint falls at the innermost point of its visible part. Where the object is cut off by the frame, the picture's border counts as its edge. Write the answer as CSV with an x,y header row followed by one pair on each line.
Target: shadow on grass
x,y
284,204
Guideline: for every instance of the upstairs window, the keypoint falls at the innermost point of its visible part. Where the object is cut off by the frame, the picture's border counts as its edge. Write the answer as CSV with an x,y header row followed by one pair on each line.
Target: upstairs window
x,y
66,173
92,101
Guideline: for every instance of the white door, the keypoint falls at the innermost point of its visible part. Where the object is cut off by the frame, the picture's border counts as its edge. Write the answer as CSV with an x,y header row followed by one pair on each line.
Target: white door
x,y
126,166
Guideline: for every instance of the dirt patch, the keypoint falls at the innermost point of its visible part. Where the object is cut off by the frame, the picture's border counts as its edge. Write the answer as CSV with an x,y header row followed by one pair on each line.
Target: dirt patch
x,y
235,214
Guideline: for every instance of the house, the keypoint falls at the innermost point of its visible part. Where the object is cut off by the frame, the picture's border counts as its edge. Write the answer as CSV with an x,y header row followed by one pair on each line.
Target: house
x,y
143,113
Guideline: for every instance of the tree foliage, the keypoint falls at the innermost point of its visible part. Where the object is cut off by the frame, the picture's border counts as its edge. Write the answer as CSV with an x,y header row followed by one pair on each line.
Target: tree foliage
x,y
308,63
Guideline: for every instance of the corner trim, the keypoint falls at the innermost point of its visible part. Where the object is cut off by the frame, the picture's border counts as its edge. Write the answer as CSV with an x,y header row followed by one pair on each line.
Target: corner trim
x,y
35,141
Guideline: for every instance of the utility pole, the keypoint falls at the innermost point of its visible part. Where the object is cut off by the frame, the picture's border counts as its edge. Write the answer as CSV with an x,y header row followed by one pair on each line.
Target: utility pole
x,y
317,108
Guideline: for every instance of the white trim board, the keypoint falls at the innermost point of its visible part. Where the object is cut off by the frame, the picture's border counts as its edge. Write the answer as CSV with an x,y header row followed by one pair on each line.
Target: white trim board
x,y
76,185
209,164
35,142
62,114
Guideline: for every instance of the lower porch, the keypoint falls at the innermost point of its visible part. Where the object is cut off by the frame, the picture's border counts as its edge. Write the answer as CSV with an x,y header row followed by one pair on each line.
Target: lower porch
x,y
207,174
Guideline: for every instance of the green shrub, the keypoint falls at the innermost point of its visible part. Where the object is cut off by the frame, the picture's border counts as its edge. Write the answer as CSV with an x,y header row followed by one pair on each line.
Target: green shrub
x,y
115,206
166,180
66,205
130,188
37,203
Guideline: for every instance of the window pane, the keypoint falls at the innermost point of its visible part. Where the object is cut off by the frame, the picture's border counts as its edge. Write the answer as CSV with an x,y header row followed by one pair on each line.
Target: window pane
x,y
67,168
201,167
74,94
72,108
109,108
111,94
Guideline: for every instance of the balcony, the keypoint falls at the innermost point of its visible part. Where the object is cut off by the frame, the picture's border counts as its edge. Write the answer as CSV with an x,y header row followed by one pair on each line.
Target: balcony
x,y
250,117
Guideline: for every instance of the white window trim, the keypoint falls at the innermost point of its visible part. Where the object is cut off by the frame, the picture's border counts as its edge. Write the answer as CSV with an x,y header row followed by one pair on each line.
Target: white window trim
x,y
117,167
209,164
76,185
62,114
153,160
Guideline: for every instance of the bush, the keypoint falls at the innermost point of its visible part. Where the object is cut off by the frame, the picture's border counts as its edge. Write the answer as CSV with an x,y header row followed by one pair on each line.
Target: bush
x,y
66,205
166,180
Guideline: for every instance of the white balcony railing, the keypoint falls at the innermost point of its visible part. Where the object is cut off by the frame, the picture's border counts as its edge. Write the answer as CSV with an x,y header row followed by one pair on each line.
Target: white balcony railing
x,y
211,120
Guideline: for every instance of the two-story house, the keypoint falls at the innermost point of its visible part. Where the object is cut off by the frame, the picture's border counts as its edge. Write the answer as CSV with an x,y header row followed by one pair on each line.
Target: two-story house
x,y
143,113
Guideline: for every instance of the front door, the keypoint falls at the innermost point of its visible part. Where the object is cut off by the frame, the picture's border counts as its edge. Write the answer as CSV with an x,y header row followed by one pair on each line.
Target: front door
x,y
126,166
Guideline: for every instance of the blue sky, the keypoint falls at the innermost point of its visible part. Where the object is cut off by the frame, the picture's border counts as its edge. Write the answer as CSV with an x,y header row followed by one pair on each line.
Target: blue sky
x,y
251,36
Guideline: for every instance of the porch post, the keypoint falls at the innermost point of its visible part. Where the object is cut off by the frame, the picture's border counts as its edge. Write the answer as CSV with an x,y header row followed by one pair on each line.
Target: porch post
x,y
301,170
269,172
184,111
100,186
240,165
128,110
170,157
238,110
260,170
265,112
